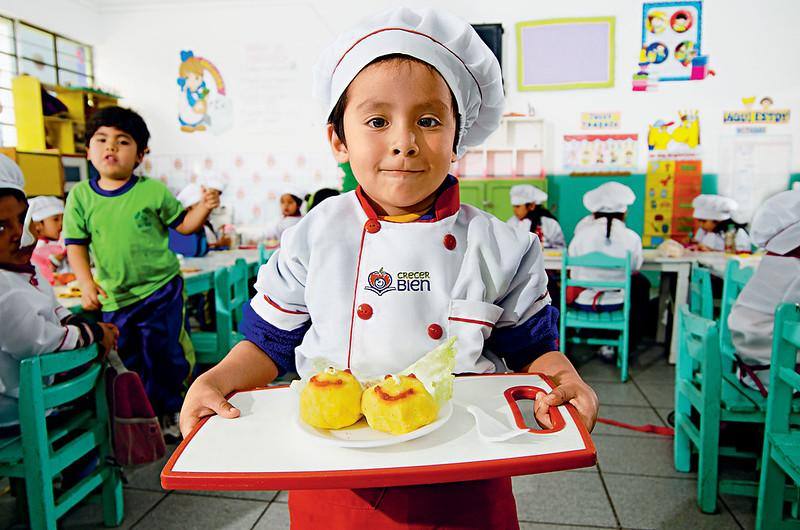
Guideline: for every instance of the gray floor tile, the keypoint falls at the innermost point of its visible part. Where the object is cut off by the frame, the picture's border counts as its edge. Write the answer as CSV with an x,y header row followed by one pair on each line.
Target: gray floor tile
x,y
265,496
619,394
148,476
631,415
137,504
651,456
283,496
742,508
552,526
181,511
596,370
275,518
594,508
643,502
663,413
658,394
659,372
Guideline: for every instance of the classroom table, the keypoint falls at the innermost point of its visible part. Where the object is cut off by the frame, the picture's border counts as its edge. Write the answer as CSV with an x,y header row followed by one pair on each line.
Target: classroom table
x,y
716,262
266,448
198,273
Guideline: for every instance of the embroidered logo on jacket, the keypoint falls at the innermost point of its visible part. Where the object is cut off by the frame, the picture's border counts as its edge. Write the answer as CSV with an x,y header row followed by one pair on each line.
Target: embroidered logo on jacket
x,y
380,282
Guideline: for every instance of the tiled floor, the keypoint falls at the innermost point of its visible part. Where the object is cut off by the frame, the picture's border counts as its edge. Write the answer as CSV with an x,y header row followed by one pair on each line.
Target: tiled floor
x,y
633,486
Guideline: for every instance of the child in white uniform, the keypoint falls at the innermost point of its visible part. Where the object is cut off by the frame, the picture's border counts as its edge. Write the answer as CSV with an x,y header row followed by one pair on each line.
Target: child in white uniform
x,y
32,322
776,228
717,231
531,216
607,234
335,289
47,214
291,201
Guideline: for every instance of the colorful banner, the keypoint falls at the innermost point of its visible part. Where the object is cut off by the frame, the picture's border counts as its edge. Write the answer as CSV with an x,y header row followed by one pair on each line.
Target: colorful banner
x,y
600,153
600,120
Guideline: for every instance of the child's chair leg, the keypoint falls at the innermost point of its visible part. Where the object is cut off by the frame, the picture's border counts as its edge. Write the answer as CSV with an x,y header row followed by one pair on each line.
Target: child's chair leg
x,y
769,513
708,465
623,355
113,507
682,445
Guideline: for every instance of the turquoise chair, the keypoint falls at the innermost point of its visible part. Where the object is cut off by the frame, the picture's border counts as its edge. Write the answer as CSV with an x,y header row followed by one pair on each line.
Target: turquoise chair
x,y
264,254
701,297
781,455
612,320
230,294
736,278
43,451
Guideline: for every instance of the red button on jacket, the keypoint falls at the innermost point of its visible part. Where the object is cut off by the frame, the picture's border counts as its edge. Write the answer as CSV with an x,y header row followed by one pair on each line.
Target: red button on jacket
x,y
364,311
435,331
372,226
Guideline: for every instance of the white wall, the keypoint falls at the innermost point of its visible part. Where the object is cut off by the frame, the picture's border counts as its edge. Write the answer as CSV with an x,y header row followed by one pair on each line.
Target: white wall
x,y
76,19
751,45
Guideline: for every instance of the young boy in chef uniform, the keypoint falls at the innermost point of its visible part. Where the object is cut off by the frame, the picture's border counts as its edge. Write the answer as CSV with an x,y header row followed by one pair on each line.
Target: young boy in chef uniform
x,y
373,279
713,214
776,228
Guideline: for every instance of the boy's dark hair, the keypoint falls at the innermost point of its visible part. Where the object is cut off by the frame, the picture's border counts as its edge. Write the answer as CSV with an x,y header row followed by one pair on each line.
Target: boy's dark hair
x,y
320,195
19,195
123,119
336,117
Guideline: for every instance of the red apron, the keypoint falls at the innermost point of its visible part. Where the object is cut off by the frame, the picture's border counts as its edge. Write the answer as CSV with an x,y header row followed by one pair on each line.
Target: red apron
x,y
460,505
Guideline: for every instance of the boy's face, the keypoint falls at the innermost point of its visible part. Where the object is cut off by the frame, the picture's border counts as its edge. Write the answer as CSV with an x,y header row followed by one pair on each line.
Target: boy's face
x,y
399,127
288,205
113,153
12,220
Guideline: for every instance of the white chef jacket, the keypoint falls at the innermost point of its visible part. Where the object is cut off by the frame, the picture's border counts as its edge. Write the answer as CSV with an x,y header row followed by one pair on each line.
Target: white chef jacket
x,y
381,294
716,241
592,238
30,324
752,318
551,230
276,230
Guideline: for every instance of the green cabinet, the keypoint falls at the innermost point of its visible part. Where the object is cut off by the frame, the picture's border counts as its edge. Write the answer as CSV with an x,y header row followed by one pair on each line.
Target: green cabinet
x,y
492,195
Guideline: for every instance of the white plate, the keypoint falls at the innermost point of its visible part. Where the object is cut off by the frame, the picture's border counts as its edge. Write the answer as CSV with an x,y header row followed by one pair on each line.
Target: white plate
x,y
362,435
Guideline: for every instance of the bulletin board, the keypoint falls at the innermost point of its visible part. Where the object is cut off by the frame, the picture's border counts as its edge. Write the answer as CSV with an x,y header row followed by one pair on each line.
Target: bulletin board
x,y
565,53
671,34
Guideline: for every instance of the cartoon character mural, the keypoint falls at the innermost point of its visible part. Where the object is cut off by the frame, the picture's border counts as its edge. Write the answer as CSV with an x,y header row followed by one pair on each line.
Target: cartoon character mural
x,y
202,108
686,133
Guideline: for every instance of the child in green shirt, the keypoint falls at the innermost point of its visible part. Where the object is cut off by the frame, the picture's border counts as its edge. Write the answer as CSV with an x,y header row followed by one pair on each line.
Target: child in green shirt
x,y
124,220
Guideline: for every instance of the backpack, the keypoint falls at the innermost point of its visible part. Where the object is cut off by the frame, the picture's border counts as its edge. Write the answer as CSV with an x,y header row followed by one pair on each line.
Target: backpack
x,y
135,432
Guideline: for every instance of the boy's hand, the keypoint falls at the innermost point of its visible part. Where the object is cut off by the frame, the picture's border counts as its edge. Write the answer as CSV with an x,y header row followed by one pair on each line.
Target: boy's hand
x,y
577,393
210,198
203,399
90,293
109,340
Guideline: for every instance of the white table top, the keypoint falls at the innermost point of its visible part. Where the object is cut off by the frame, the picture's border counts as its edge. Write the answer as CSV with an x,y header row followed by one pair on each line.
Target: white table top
x,y
265,448
653,260
209,263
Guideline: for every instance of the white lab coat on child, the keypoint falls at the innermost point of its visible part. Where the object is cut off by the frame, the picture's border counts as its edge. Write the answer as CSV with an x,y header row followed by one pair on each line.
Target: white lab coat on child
x,y
592,238
276,230
752,318
30,324
716,241
382,294
551,230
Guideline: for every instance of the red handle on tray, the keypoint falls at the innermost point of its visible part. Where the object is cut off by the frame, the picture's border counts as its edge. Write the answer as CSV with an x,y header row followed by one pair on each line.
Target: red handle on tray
x,y
514,393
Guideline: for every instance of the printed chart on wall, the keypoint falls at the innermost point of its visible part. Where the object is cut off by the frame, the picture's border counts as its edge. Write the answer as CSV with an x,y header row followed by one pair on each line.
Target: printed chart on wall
x,y
752,168
671,33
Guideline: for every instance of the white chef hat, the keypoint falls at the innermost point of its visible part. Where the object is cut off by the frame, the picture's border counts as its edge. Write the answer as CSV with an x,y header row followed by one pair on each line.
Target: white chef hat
x,y
213,181
525,194
713,207
11,175
436,37
191,195
776,224
611,197
45,206
295,190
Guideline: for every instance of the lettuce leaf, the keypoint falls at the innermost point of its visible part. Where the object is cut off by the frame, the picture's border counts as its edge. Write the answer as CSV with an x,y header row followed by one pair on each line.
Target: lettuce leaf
x,y
435,371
